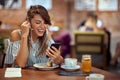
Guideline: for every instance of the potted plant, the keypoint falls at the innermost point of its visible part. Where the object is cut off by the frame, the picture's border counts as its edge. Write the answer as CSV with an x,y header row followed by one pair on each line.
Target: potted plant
x,y
2,37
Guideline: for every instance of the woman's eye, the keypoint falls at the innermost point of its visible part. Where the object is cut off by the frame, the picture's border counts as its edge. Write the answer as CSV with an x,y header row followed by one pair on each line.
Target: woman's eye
x,y
38,22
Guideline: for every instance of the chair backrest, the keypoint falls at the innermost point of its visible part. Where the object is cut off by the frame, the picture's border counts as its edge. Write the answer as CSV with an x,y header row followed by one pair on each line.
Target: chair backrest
x,y
6,43
89,43
2,58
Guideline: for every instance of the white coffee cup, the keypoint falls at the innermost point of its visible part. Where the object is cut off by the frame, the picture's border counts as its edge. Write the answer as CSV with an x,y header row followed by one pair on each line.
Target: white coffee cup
x,y
70,62
95,76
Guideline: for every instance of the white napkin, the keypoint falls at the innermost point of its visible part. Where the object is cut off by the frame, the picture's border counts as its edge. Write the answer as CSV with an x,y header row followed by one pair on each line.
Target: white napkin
x,y
13,72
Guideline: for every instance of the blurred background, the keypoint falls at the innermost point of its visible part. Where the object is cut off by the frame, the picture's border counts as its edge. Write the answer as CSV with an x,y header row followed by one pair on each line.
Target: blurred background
x,y
66,16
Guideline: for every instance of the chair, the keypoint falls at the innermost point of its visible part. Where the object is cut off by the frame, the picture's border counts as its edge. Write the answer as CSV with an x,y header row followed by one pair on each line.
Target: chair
x,y
6,42
91,43
2,58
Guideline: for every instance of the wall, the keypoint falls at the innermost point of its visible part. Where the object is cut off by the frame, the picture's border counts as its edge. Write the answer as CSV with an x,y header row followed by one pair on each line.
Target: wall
x,y
60,16
64,15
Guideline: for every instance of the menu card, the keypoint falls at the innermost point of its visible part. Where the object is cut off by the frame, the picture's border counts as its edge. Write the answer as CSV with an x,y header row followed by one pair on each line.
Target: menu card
x,y
13,72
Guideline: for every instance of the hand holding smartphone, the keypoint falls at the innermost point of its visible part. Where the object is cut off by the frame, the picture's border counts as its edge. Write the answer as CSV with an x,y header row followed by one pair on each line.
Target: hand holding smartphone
x,y
56,45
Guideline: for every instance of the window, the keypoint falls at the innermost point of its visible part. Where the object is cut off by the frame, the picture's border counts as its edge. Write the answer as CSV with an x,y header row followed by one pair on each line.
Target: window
x,y
10,4
46,3
108,5
88,5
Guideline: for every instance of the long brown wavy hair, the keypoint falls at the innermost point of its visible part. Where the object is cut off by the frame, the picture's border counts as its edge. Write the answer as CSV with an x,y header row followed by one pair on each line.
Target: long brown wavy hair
x,y
39,10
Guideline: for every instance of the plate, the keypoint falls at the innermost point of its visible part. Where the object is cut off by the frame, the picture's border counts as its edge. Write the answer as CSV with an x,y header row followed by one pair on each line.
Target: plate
x,y
70,69
43,66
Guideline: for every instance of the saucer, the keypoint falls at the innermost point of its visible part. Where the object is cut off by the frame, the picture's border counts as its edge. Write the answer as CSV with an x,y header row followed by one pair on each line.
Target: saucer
x,y
70,69
43,66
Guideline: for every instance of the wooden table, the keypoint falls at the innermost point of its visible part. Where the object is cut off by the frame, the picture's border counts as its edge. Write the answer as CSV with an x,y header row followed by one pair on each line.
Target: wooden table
x,y
32,74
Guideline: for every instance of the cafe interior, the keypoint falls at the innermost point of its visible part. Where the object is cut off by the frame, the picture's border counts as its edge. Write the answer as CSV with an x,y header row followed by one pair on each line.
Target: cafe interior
x,y
67,17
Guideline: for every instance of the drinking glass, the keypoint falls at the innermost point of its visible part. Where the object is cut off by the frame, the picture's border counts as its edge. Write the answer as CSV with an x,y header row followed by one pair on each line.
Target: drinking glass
x,y
86,63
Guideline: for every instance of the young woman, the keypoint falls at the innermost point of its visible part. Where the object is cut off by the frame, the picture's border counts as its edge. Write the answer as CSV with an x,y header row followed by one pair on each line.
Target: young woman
x,y
30,44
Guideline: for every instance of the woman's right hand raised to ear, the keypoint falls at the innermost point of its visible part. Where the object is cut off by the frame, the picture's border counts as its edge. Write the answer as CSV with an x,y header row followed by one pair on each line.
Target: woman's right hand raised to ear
x,y
25,26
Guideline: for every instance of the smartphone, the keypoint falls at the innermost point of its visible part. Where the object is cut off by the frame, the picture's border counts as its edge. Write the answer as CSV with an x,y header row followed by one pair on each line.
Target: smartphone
x,y
56,45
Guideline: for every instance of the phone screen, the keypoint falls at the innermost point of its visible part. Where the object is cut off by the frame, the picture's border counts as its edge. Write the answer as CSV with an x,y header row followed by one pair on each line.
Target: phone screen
x,y
56,45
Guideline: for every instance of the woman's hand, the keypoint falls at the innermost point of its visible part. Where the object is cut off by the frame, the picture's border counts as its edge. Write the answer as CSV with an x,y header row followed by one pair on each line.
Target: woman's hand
x,y
25,28
55,55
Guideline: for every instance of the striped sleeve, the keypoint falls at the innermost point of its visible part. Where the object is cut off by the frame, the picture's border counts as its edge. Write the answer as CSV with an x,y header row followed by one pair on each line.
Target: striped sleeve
x,y
11,52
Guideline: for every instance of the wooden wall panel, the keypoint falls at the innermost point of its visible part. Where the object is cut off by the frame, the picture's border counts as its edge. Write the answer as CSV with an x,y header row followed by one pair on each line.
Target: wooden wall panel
x,y
59,14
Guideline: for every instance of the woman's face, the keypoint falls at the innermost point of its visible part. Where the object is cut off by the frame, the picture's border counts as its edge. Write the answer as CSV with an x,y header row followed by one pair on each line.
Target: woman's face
x,y
37,23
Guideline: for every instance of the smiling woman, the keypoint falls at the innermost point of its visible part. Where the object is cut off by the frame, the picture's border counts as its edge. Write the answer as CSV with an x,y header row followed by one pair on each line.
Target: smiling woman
x,y
30,44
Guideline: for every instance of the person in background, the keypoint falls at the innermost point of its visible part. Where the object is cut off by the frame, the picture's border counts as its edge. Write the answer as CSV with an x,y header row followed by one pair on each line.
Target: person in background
x,y
62,36
89,14
90,24
114,61
65,39
31,43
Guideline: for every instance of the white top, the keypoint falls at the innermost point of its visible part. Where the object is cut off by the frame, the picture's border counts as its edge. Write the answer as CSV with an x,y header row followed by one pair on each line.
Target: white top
x,y
33,58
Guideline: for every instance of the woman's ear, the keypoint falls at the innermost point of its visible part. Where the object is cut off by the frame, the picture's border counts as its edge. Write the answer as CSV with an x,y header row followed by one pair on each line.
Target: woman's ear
x,y
27,19
46,26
